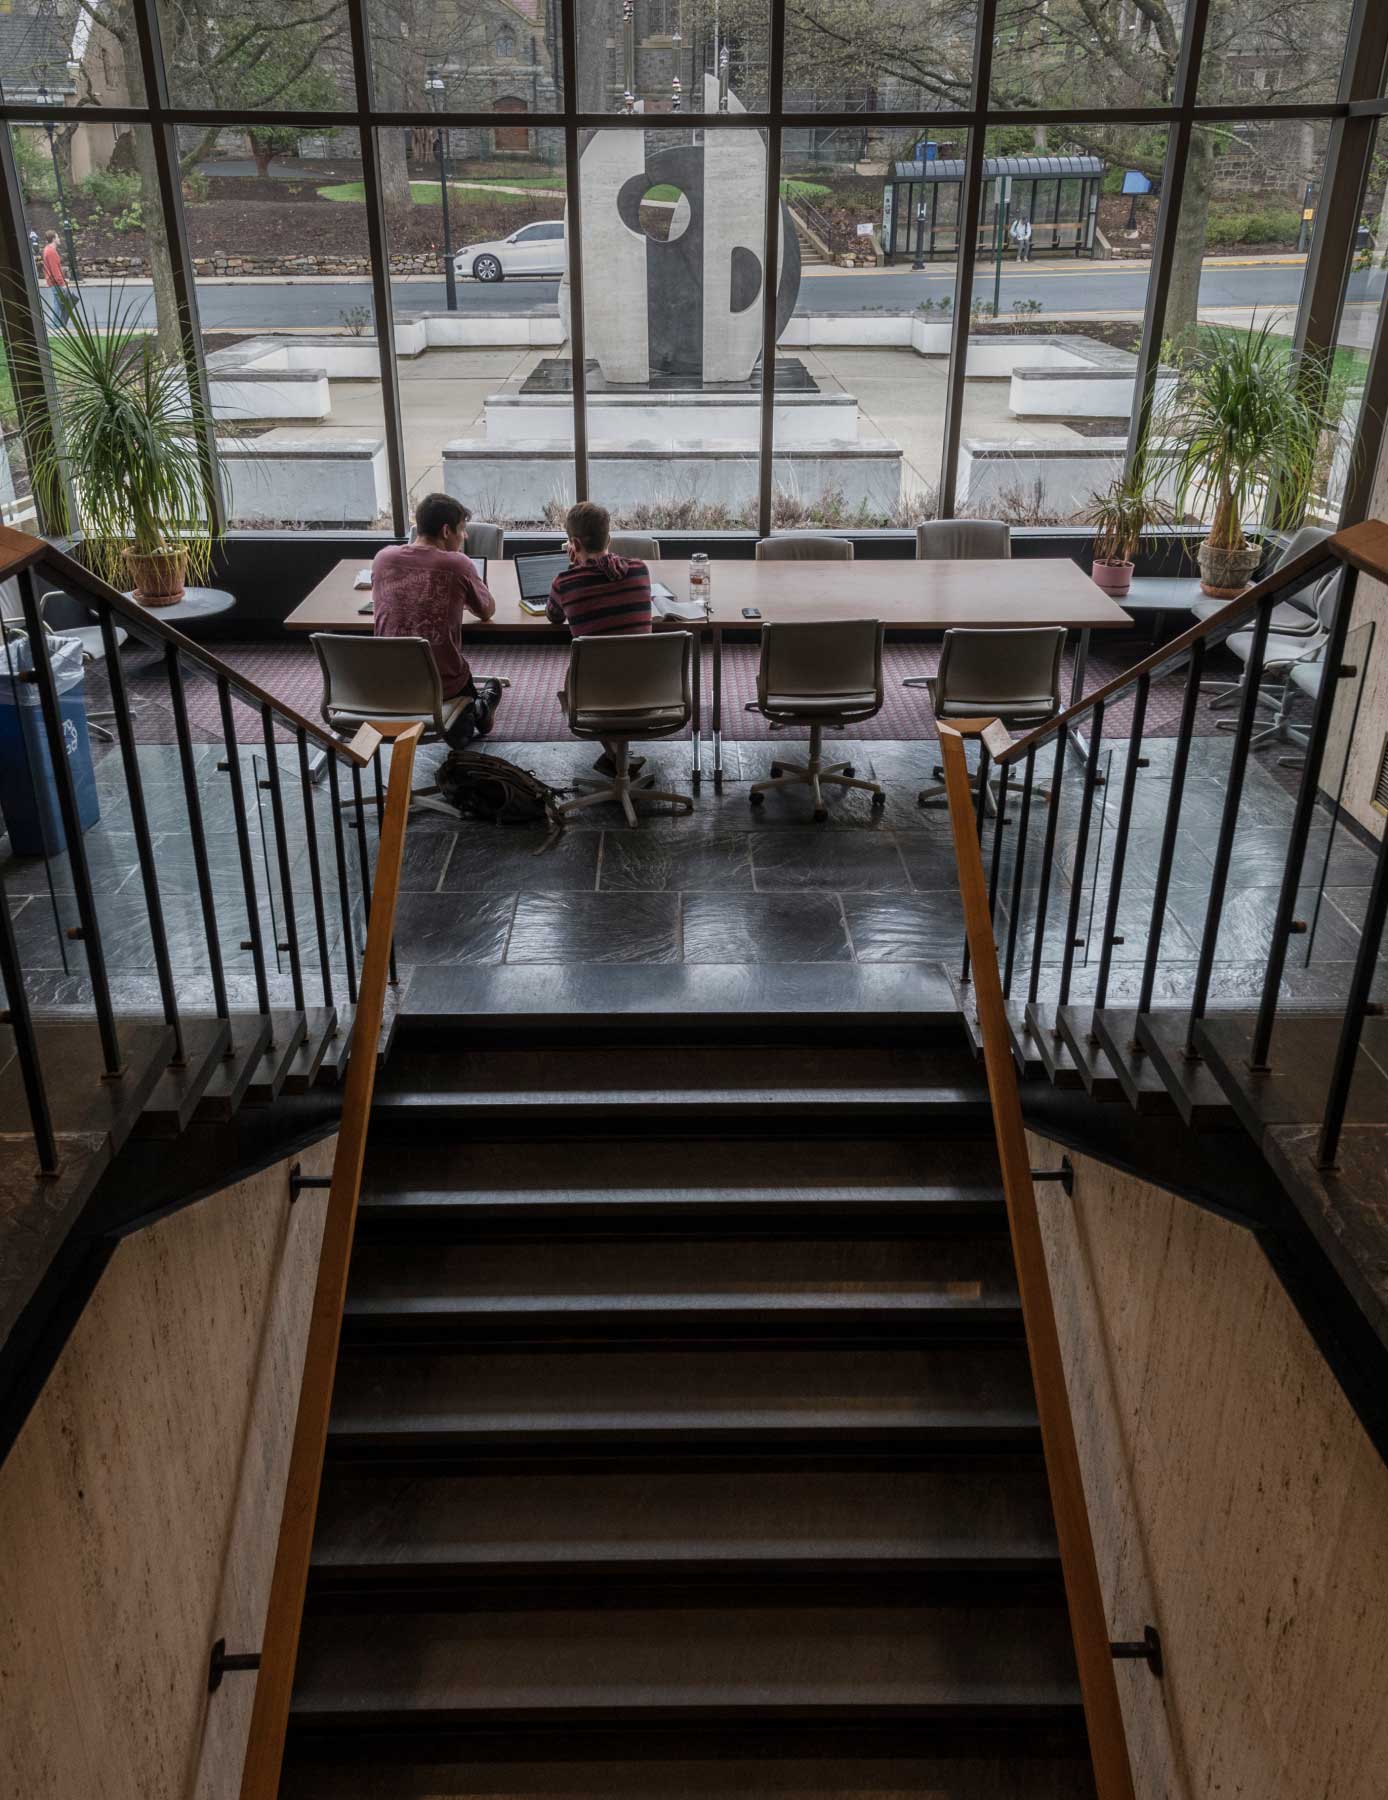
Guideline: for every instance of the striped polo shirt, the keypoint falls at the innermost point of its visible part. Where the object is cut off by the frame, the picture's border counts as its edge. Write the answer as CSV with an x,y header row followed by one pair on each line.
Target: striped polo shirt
x,y
608,594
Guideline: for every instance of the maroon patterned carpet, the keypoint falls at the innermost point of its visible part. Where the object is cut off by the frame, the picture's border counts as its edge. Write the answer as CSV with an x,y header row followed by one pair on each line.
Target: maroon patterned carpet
x,y
529,711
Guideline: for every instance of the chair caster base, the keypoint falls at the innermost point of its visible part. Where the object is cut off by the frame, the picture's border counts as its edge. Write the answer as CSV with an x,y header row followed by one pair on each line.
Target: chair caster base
x,y
879,801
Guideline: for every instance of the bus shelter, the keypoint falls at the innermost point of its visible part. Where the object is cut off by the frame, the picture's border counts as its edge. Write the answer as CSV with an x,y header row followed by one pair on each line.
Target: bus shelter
x,y
921,205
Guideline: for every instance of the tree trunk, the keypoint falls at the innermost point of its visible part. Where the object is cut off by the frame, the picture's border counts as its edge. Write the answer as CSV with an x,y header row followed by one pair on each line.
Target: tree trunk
x,y
262,152
1183,299
156,242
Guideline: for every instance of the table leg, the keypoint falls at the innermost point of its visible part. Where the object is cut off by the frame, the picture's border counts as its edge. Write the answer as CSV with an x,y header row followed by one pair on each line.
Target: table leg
x,y
717,711
1076,739
696,715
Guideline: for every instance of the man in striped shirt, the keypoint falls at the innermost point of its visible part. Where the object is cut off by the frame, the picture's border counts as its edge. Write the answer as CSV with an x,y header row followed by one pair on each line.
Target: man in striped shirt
x,y
598,592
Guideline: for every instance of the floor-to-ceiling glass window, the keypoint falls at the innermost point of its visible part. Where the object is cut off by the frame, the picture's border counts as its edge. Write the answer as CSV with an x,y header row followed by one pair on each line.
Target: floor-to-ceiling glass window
x,y
465,103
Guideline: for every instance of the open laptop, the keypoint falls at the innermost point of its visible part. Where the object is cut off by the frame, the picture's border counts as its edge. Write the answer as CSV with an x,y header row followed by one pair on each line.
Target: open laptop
x,y
535,575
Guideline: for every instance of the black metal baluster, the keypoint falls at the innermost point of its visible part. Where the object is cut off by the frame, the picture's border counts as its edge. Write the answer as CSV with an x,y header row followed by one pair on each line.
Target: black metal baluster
x,y
144,839
1357,1009
980,802
72,827
1172,824
363,855
1306,802
20,1021
380,820
1091,783
996,870
1043,898
320,917
291,921
344,892
195,827
1018,866
1228,825
243,844
1120,847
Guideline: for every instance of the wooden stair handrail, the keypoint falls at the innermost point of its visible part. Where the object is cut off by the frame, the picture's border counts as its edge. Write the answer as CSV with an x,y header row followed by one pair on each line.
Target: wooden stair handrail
x,y
1363,547
260,1773
1088,1621
19,551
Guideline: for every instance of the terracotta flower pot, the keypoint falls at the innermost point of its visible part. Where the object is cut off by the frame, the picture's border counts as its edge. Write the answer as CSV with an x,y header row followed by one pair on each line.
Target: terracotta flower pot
x,y
1115,578
1224,574
157,579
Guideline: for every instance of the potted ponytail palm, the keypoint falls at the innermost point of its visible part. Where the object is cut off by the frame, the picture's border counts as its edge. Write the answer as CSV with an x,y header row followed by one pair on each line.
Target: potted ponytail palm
x,y
1243,421
127,451
1122,515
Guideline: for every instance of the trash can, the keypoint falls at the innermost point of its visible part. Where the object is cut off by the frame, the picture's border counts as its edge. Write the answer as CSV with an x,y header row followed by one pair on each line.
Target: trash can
x,y
28,790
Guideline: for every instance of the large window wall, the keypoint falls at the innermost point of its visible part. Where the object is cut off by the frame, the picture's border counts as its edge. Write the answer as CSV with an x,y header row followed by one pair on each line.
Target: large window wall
x,y
528,250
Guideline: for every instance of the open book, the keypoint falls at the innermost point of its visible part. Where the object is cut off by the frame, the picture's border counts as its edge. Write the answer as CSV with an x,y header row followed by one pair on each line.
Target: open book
x,y
665,605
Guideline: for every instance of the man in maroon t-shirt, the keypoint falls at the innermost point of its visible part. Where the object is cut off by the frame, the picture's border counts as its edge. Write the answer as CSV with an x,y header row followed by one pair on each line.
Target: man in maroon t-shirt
x,y
425,589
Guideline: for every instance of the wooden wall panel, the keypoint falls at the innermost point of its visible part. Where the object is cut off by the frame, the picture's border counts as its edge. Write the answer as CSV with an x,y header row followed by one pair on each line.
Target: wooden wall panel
x,y
1236,1501
1370,603
140,1504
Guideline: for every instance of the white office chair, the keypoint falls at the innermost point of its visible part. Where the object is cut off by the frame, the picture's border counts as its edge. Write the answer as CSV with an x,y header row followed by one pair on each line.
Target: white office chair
x,y
1284,655
963,540
804,546
1009,675
1295,617
822,673
628,686
366,679
481,539
635,543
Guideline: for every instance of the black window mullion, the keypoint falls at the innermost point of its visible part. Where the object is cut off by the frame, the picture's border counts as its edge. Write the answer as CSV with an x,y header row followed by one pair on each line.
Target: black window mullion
x,y
174,227
1168,223
574,139
964,267
771,264
378,247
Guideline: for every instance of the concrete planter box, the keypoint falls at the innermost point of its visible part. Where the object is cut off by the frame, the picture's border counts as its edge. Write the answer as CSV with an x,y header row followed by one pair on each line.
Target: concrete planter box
x,y
669,421
522,479
1069,393
1056,474
306,481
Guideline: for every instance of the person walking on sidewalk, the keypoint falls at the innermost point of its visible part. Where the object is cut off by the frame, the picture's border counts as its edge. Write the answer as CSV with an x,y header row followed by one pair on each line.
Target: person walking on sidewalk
x,y
56,282
1021,237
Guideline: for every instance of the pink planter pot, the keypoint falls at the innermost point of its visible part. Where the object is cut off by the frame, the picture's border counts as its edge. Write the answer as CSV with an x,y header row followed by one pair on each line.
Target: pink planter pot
x,y
1114,578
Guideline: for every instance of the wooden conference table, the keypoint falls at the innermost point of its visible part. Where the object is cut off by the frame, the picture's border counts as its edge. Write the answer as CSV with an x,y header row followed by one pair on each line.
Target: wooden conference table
x,y
917,596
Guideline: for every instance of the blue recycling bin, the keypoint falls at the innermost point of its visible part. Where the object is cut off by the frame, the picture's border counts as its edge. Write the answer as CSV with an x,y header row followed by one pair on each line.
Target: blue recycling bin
x,y
28,790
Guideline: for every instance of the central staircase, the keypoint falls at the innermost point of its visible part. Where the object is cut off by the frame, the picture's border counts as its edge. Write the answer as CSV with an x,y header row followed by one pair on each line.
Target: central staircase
x,y
683,1440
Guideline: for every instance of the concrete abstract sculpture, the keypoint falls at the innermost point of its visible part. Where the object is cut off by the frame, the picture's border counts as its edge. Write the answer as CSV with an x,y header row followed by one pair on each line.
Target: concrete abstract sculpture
x,y
686,309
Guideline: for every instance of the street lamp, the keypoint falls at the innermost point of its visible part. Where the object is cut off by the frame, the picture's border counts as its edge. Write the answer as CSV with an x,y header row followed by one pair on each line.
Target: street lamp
x,y
919,263
64,217
437,90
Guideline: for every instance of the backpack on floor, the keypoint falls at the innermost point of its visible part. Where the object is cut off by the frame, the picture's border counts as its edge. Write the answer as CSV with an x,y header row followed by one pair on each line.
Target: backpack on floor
x,y
496,791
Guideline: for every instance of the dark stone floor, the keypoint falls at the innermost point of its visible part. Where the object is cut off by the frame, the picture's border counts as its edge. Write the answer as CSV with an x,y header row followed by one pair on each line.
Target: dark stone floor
x,y
727,884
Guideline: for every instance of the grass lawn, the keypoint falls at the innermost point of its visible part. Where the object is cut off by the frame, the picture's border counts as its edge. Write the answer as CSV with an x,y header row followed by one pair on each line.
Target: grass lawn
x,y
1350,365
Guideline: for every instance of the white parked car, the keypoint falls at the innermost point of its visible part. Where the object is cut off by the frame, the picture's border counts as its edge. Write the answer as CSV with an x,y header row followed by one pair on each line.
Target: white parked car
x,y
532,250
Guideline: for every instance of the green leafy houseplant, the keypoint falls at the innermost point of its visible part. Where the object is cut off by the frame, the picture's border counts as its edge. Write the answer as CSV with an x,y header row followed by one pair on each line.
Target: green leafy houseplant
x,y
1242,421
1122,514
127,449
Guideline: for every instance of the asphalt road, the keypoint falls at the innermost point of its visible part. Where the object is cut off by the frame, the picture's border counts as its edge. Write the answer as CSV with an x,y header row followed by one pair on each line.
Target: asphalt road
x,y
1089,288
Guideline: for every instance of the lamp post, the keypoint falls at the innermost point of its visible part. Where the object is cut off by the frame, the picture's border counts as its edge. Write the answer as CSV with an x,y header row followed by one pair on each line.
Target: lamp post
x,y
919,264
64,218
436,86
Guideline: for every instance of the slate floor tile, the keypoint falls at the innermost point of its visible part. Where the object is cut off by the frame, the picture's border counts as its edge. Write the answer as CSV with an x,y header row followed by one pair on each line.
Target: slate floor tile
x,y
830,861
521,858
925,927
438,929
693,853
603,928
764,928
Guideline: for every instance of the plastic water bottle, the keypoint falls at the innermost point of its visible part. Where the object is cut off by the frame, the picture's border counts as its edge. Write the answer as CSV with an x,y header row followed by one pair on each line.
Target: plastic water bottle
x,y
700,585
